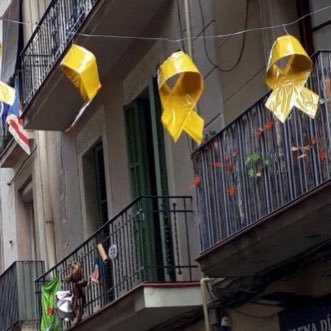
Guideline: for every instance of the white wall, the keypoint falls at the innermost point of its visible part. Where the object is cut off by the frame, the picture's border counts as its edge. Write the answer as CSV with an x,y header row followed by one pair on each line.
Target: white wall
x,y
7,229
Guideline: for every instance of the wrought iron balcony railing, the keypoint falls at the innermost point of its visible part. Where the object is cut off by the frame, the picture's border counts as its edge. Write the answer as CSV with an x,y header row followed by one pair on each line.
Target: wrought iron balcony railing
x,y
257,165
17,289
53,34
5,138
148,241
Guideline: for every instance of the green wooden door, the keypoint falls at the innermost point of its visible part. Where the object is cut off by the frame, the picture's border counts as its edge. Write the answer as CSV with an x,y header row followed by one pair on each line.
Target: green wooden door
x,y
142,182
148,177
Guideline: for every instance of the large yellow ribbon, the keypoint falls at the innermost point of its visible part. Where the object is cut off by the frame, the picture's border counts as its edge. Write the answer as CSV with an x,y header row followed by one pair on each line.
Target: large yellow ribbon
x,y
180,86
80,66
7,94
288,70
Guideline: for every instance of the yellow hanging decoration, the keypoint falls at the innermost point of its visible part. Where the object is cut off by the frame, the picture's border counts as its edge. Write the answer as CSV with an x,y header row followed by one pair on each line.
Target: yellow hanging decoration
x,y
7,94
180,99
287,81
80,66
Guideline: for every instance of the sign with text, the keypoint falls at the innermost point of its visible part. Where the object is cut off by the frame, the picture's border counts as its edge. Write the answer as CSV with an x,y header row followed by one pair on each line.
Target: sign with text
x,y
313,318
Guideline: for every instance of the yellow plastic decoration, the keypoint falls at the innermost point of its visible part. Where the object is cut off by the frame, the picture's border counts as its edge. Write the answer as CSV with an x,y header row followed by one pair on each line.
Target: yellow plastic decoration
x,y
80,66
179,99
7,94
288,70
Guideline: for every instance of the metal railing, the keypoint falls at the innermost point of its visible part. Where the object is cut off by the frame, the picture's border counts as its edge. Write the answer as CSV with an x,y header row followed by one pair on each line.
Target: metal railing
x,y
53,34
257,165
5,138
17,289
148,241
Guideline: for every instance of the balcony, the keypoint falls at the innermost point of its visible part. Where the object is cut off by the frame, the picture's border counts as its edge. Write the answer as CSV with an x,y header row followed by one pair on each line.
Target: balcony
x,y
150,277
42,82
10,151
264,187
18,308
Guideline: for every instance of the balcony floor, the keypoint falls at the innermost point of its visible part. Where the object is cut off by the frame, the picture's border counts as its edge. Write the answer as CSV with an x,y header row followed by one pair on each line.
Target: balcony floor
x,y
281,235
144,307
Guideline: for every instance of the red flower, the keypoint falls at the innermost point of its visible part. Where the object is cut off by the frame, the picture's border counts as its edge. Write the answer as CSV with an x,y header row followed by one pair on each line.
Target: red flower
x,y
323,155
196,180
229,167
231,190
313,140
217,164
268,124
258,132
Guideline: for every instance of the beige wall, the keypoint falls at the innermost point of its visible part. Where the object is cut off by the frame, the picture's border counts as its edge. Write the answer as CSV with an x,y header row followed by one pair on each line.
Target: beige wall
x,y
322,37
32,11
226,95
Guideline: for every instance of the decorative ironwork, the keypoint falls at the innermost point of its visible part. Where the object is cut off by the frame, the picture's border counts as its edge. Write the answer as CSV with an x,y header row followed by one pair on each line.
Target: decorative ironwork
x,y
53,34
5,138
17,288
148,249
257,165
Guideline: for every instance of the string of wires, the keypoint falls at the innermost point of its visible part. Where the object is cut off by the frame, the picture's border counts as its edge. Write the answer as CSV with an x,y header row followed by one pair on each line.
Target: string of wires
x,y
183,38
241,52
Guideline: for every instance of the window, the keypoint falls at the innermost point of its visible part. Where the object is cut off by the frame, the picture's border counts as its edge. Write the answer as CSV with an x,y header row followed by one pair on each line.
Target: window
x,y
95,187
27,244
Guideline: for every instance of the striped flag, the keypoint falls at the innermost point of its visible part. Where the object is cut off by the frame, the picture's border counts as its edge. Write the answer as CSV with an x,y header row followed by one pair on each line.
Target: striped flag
x,y
15,124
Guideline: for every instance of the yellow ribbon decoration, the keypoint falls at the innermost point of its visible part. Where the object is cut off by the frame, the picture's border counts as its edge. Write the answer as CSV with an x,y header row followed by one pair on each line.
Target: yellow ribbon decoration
x,y
80,66
180,99
7,94
287,82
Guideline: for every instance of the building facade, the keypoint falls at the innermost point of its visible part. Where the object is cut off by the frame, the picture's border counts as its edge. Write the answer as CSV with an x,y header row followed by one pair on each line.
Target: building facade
x,y
247,211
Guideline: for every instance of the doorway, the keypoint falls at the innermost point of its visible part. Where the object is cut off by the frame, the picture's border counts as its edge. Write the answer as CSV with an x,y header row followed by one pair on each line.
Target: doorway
x,y
148,179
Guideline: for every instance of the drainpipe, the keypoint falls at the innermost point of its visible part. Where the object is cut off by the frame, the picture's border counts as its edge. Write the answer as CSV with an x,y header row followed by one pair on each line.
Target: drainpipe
x,y
188,27
203,281
48,212
204,299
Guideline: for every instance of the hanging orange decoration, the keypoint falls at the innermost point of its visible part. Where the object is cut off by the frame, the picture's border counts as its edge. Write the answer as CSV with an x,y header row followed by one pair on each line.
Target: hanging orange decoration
x,y
231,190
196,180
217,164
268,125
287,81
180,98
323,155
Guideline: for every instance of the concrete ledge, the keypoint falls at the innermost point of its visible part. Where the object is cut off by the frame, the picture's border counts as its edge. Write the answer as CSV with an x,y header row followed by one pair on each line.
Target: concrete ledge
x,y
146,306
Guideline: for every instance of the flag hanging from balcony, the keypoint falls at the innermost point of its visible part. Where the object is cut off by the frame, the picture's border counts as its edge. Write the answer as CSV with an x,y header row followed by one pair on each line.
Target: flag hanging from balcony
x,y
80,66
7,94
179,99
11,115
49,319
287,79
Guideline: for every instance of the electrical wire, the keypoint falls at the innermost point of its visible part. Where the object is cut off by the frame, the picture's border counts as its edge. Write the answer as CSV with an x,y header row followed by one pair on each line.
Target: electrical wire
x,y
282,25
182,39
180,25
205,41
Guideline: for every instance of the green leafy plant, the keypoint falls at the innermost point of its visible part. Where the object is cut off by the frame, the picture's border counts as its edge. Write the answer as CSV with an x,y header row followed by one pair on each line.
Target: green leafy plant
x,y
253,158
256,164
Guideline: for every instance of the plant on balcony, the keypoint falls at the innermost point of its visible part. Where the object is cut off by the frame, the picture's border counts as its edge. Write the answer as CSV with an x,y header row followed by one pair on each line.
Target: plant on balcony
x,y
256,164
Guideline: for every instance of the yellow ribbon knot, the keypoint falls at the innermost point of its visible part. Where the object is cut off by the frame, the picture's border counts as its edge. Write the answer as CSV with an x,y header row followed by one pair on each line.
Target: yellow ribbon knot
x,y
80,66
288,70
7,94
180,86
